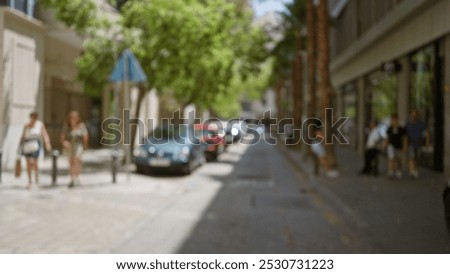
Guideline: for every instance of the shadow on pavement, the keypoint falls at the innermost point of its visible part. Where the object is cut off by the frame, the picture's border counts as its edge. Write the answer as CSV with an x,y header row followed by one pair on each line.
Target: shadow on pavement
x,y
261,209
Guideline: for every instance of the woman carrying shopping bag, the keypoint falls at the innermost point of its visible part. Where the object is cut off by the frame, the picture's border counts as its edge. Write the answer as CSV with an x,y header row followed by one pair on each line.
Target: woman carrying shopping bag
x,y
34,133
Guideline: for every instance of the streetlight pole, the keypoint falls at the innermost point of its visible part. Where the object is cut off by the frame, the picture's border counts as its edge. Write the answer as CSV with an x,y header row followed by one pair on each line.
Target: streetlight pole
x,y
127,148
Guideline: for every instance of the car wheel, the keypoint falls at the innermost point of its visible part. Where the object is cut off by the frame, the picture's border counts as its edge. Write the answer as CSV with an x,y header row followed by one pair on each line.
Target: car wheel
x,y
140,169
208,157
215,155
187,170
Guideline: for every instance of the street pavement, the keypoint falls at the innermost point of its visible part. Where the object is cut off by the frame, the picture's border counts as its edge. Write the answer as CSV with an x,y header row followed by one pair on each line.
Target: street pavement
x,y
255,199
391,215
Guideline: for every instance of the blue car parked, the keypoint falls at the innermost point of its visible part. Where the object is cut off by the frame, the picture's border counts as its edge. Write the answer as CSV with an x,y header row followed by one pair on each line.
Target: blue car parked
x,y
170,148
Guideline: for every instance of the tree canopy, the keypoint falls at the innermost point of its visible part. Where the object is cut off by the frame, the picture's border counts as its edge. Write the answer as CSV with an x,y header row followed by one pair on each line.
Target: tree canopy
x,y
204,52
294,19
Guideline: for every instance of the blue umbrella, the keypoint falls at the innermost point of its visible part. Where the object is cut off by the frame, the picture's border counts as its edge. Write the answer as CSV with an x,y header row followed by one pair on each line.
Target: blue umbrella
x,y
133,71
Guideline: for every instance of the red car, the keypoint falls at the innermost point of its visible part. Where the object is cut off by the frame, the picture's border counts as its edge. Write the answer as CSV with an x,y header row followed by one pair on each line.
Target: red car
x,y
209,136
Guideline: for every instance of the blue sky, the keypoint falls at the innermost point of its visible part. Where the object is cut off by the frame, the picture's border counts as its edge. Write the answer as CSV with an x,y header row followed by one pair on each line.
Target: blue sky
x,y
263,6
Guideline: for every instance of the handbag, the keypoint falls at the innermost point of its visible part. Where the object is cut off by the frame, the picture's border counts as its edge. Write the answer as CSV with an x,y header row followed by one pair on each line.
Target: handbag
x,y
30,147
18,169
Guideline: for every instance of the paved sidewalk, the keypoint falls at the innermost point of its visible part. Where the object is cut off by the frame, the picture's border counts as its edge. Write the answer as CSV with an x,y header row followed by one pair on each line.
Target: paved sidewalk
x,y
96,216
94,161
394,215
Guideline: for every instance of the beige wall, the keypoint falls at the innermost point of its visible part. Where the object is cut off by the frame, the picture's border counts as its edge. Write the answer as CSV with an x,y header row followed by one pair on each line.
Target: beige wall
x,y
62,92
59,63
22,82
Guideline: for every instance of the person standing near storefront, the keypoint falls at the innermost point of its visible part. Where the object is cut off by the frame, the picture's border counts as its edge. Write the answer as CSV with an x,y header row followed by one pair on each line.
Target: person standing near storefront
x,y
74,139
318,148
374,139
396,145
417,136
34,133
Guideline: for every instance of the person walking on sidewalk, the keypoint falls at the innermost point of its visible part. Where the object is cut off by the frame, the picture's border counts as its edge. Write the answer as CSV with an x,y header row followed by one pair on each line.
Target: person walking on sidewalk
x,y
318,148
74,139
372,149
34,133
396,145
417,133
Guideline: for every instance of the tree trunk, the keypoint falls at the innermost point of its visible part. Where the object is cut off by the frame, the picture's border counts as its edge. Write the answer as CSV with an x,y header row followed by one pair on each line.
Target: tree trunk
x,y
297,83
312,67
323,43
312,58
278,89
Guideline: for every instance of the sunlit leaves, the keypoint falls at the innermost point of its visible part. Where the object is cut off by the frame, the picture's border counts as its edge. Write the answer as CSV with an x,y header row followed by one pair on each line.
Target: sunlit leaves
x,y
195,49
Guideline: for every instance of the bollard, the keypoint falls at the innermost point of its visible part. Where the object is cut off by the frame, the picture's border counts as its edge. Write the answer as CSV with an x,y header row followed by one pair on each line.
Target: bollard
x,y
55,155
316,165
1,156
115,157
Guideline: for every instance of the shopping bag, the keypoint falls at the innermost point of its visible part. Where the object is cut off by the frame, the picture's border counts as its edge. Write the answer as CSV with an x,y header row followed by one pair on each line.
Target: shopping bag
x,y
18,169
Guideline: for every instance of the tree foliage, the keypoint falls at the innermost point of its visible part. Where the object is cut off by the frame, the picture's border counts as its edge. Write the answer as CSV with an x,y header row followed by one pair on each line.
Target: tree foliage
x,y
202,51
195,47
82,15
294,19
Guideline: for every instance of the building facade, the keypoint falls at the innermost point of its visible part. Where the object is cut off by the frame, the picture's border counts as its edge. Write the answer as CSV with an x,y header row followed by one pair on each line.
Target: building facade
x,y
22,83
391,56
38,73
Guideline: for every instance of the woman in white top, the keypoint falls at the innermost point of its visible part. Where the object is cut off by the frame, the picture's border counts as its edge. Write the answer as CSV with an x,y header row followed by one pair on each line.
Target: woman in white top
x,y
33,134
74,139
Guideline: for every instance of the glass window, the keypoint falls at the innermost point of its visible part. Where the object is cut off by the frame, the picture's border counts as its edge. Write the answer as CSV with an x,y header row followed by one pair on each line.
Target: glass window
x,y
383,95
422,96
349,110
422,82
25,6
20,5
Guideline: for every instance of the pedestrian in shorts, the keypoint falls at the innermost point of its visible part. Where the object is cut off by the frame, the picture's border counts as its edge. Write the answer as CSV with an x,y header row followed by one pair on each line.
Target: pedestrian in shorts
x,y
396,146
417,136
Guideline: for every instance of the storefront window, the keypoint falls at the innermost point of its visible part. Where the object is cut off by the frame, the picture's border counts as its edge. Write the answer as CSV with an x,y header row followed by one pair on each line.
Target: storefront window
x,y
349,110
422,82
422,95
25,6
384,97
382,101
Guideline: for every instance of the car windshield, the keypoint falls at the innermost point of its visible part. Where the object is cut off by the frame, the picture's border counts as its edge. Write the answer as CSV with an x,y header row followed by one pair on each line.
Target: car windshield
x,y
172,132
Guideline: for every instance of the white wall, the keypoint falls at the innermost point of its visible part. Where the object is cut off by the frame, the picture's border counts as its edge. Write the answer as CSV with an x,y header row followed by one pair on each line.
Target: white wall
x,y
22,88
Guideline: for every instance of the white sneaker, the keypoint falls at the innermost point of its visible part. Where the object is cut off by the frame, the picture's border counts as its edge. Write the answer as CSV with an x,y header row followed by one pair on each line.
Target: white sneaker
x,y
414,174
332,174
390,174
398,174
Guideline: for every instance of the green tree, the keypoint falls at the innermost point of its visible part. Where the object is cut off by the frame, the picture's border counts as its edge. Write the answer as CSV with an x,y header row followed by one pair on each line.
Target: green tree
x,y
196,50
287,53
81,15
193,47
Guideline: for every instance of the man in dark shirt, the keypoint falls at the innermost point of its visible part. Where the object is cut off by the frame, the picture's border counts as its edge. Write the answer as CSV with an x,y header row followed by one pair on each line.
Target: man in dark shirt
x,y
417,135
396,145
